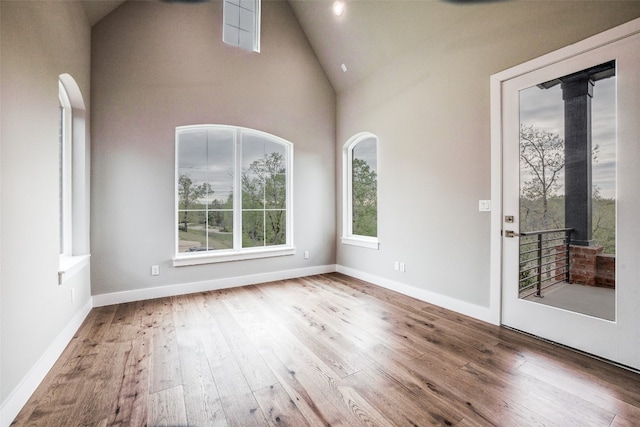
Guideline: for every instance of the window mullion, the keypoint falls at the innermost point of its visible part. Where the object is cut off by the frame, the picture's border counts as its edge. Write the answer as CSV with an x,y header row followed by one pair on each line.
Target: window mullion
x,y
349,200
237,192
264,212
206,193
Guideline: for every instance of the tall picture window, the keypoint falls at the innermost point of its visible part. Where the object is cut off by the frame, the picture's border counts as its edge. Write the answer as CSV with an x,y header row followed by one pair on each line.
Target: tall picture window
x,y
233,194
66,171
73,179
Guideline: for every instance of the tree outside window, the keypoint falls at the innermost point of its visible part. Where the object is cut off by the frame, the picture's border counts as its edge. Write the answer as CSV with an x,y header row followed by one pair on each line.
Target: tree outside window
x,y
232,188
361,191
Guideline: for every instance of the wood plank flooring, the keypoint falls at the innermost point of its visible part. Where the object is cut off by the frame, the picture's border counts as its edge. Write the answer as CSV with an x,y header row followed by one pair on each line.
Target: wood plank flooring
x,y
325,350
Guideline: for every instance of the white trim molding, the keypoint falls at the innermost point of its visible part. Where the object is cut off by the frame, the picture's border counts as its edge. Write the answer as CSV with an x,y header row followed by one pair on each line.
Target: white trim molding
x,y
206,285
21,394
70,265
211,257
459,306
362,241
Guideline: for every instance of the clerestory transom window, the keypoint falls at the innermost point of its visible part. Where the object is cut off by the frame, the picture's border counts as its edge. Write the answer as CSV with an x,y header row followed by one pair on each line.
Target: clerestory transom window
x,y
241,26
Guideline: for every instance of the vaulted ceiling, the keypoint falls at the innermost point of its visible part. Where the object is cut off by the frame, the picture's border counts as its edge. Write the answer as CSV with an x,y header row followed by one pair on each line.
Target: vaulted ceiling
x,y
369,34
98,9
375,34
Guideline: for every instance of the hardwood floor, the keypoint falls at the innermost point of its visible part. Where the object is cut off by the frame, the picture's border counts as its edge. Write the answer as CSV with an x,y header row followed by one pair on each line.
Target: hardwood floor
x,y
323,350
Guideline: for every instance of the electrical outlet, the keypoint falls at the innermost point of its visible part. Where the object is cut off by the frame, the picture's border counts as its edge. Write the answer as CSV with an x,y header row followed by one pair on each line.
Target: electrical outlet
x,y
73,295
396,265
306,254
155,270
402,267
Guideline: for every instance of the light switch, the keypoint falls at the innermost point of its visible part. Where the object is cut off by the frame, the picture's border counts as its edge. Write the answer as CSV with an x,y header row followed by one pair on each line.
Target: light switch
x,y
484,205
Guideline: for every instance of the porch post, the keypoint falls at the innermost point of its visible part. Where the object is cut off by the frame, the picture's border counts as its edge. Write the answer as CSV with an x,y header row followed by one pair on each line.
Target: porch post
x,y
577,91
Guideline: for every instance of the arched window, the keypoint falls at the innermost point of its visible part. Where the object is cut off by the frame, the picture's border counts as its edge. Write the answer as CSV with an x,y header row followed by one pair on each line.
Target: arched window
x,y
66,169
74,191
233,194
360,191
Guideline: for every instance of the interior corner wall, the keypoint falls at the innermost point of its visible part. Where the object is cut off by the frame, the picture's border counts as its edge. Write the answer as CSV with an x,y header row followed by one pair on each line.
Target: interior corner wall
x,y
40,41
159,65
429,107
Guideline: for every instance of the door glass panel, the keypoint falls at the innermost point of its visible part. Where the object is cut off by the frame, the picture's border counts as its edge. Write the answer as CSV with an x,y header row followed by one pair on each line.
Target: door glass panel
x,y
568,192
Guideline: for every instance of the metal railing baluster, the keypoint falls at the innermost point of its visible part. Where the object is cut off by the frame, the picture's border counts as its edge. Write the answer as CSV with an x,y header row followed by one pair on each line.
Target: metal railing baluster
x,y
539,292
545,269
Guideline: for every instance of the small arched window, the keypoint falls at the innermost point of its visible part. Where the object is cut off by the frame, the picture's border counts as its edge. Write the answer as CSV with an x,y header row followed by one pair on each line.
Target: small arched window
x,y
360,191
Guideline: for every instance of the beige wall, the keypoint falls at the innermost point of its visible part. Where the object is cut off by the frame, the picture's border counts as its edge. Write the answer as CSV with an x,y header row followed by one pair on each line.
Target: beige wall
x,y
40,41
429,106
156,66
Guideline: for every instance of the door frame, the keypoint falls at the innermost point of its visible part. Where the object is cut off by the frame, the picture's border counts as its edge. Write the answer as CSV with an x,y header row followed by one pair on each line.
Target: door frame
x,y
496,95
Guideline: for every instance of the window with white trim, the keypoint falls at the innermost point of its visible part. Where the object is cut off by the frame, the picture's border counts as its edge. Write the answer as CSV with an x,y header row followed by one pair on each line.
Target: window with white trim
x,y
241,24
233,194
73,180
360,191
66,169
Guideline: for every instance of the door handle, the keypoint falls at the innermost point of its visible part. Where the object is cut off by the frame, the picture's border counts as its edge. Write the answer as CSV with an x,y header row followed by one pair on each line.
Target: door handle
x,y
510,233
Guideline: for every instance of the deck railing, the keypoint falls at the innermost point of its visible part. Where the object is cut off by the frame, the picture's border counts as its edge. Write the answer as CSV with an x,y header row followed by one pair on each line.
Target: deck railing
x,y
544,260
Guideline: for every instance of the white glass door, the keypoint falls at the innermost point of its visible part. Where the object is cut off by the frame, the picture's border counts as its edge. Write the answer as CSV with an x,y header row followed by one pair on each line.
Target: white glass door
x,y
570,161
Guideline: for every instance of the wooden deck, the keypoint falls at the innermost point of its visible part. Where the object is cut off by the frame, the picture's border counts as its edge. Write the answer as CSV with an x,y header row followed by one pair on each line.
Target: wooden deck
x,y
325,350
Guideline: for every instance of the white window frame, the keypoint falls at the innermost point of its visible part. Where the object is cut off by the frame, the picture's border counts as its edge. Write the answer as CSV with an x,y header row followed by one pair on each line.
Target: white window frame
x,y
241,24
237,253
74,181
348,238
66,173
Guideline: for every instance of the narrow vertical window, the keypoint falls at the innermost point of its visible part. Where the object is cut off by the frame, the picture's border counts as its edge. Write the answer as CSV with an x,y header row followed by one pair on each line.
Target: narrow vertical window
x,y
65,177
360,195
73,179
241,24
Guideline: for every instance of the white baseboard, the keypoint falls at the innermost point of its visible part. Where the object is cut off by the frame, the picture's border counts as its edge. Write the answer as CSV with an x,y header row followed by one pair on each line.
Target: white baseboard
x,y
207,285
19,397
462,307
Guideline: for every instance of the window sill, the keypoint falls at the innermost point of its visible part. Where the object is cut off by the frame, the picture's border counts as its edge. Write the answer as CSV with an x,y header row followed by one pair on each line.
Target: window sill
x,y
362,241
227,256
70,265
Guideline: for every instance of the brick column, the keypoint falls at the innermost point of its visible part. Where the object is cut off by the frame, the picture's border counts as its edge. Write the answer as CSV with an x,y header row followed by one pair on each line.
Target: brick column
x,y
606,271
583,264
